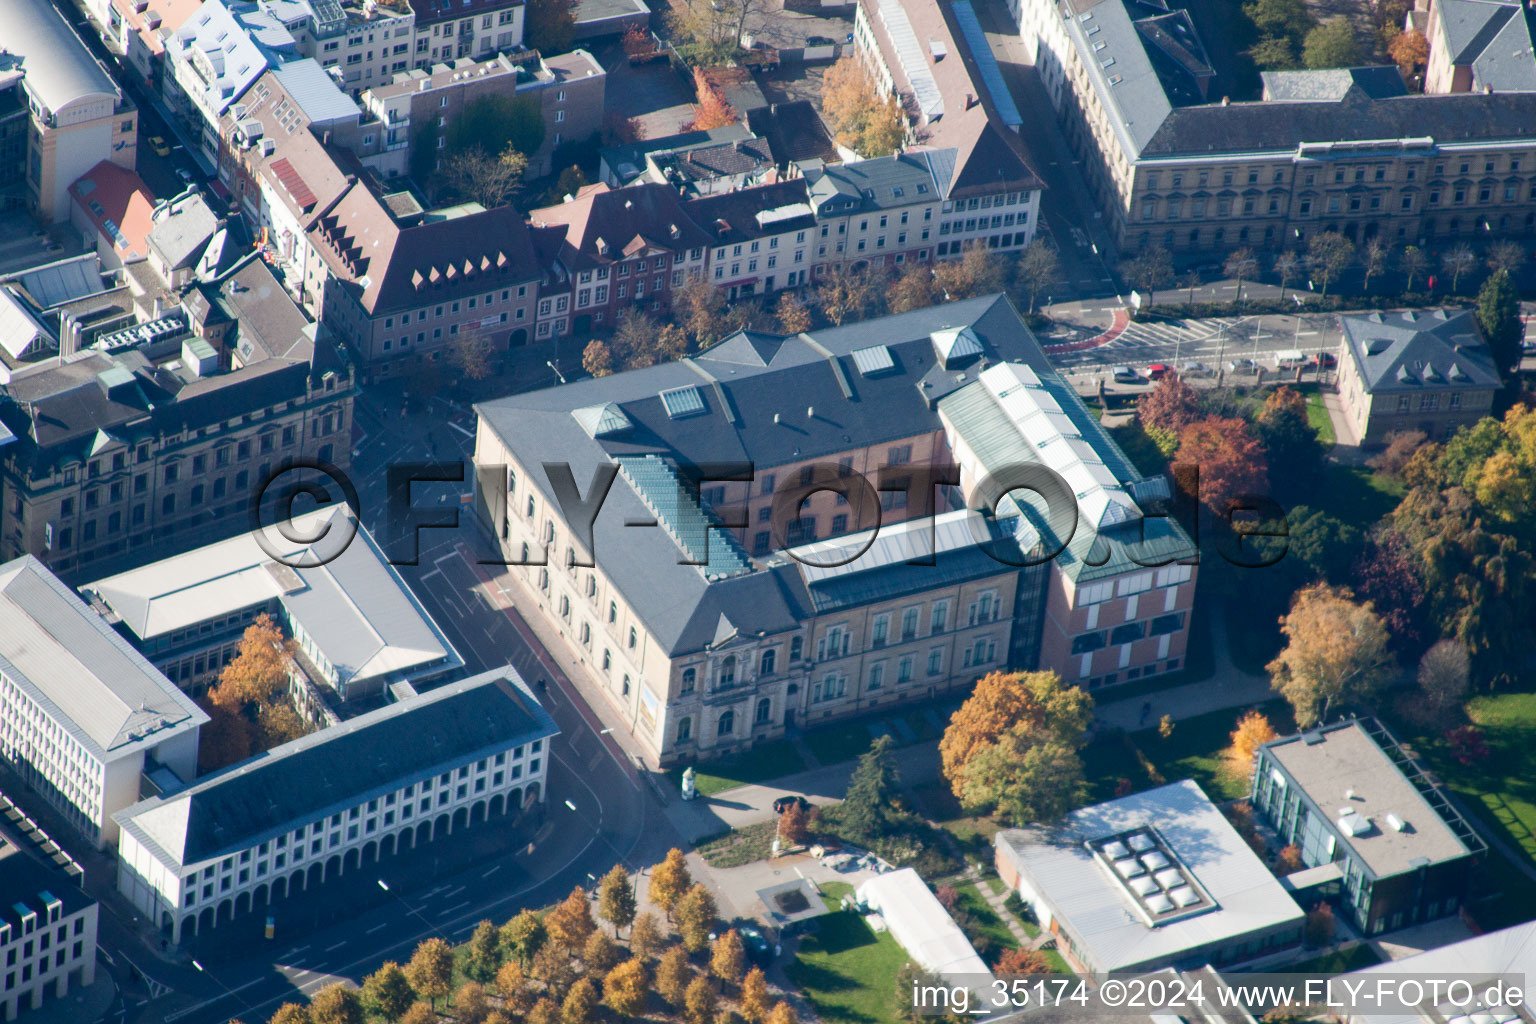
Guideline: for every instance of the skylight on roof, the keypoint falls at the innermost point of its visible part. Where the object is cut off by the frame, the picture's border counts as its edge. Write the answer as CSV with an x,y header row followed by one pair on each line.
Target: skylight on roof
x,y
874,360
1151,878
682,402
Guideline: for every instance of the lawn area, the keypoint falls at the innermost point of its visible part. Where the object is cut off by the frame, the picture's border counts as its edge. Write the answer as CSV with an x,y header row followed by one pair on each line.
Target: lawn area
x,y
848,972
740,846
984,920
1355,494
840,742
937,803
1318,417
833,892
1194,751
767,761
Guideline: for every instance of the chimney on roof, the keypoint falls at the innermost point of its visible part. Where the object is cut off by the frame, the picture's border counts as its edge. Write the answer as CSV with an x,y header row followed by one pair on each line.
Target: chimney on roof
x,y
673,230
810,412
1226,101
1487,90
970,100
629,204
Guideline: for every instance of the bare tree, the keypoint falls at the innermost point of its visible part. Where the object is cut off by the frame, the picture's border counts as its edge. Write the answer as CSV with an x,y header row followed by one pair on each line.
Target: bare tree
x,y
1149,271
1505,255
1289,266
1039,269
1413,263
1240,263
470,353
1459,260
488,180
1373,259
1330,253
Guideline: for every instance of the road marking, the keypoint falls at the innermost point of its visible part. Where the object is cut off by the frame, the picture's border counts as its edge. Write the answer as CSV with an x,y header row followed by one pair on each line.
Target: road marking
x,y
466,433
209,1002
377,927
454,891
332,949
491,872
453,909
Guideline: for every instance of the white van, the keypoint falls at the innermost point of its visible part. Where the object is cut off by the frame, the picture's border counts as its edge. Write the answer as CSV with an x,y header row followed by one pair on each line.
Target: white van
x,y
1290,359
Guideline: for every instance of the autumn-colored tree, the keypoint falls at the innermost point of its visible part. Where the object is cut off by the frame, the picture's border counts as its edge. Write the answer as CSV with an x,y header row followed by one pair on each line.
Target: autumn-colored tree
x,y
1229,458
782,1013
860,117
513,987
523,936
387,992
645,937
794,825
754,996
430,971
845,294
1409,50
1336,650
637,42
580,1003
616,898
571,921
1291,446
419,1013
1290,858
1319,926
1022,961
977,272
485,178
336,1004
710,109
1170,406
597,358
914,289
793,315
290,1013
1025,777
250,705
600,954
695,917
470,1004
673,975
699,1003
1252,732
625,987
1000,702
545,1011
669,880
700,307
728,959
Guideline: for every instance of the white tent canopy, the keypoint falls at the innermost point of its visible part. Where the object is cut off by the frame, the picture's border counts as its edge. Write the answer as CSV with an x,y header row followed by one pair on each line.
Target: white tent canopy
x,y
919,922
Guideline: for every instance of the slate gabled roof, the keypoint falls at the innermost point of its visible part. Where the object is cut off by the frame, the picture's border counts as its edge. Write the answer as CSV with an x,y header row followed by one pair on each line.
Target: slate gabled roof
x,y
1406,352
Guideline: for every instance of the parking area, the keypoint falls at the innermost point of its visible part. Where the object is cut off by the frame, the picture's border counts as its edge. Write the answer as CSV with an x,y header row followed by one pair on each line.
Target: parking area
x,y
651,92
794,30
793,82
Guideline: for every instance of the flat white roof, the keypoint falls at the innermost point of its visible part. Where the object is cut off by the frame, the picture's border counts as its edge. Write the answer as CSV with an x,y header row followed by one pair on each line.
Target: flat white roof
x,y
355,607
80,671
924,928
1095,906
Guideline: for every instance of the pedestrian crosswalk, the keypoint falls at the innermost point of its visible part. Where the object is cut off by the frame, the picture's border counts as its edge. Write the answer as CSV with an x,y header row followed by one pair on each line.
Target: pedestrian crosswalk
x,y
1165,335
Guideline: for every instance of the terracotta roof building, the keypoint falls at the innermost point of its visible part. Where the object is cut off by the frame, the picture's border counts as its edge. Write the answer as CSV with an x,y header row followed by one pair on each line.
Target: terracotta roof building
x,y
113,206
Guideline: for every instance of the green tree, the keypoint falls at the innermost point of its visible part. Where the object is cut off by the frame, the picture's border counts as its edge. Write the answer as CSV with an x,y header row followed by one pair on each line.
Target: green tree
x,y
484,952
431,970
1286,18
1026,777
1336,650
523,936
580,1003
1274,53
872,788
1329,254
669,880
493,123
1001,703
695,917
336,1004
616,898
1498,314
549,26
1290,441
1331,45
387,992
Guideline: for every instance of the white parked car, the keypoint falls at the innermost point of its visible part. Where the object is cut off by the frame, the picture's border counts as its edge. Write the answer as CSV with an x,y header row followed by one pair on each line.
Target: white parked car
x,y
1195,370
1126,374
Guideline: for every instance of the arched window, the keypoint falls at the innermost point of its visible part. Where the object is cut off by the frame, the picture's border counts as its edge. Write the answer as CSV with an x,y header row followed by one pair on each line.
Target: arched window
x,y
764,710
565,607
634,638
613,611
766,666
591,584
727,724
689,676
626,684
728,672
607,660
586,633
544,579
684,729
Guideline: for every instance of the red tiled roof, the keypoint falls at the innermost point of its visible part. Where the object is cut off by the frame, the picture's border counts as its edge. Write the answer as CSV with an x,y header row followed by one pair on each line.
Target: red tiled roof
x,y
293,183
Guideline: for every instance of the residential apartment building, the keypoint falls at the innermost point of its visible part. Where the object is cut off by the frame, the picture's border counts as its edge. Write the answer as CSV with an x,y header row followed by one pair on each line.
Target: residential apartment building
x,y
568,88
157,433
1414,371
936,59
1356,804
214,57
262,831
356,626
850,557
765,237
398,284
47,929
608,249
82,715
359,43
881,212
470,28
1346,150
76,114
137,31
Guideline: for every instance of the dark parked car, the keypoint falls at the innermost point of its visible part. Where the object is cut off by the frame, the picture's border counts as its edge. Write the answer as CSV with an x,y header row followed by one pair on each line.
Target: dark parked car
x,y
759,949
784,803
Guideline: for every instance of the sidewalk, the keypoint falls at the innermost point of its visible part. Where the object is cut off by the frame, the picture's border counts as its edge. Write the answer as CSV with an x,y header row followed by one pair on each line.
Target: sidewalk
x,y
80,1005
